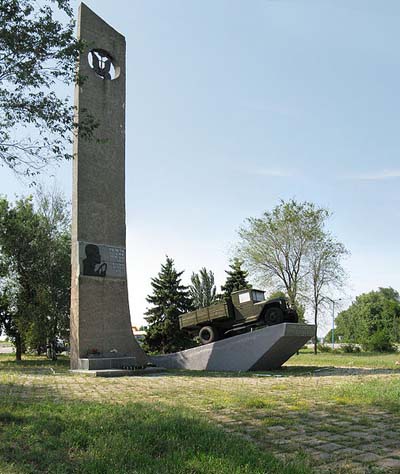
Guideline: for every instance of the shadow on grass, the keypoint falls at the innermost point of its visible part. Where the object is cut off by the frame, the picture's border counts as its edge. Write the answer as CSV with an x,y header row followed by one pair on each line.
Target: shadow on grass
x,y
34,365
287,371
137,438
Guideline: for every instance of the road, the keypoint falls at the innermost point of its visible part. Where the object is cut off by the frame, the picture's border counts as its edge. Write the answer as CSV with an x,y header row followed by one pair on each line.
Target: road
x,y
6,349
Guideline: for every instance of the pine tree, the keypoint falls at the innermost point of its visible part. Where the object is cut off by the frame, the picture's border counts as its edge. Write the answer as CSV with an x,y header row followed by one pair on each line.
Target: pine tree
x,y
169,299
236,279
203,289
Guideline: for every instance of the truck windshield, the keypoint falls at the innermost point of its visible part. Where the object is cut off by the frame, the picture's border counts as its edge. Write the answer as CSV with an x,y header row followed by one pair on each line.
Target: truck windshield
x,y
257,296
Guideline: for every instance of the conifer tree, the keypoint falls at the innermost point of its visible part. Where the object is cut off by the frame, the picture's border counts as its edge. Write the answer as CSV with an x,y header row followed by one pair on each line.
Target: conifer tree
x,y
236,279
203,289
169,299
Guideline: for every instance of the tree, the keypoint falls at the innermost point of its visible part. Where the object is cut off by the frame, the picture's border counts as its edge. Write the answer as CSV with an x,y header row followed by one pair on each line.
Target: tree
x,y
236,279
169,299
35,272
37,51
300,308
203,289
54,287
325,272
277,294
8,321
20,235
275,247
373,319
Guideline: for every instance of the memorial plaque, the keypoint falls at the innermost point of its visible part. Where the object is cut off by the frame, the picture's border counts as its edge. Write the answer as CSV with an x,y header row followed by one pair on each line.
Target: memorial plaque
x,y
103,261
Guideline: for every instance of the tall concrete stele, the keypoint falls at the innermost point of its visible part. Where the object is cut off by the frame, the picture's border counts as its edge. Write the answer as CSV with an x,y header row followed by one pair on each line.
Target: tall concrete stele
x,y
101,334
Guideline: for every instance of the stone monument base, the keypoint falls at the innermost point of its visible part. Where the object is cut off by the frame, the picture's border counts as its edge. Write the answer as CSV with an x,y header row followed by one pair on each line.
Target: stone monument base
x,y
120,372
263,349
103,363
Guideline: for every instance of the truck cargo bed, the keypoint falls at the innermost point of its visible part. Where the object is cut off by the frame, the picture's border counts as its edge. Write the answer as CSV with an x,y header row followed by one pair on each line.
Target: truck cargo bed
x,y
204,315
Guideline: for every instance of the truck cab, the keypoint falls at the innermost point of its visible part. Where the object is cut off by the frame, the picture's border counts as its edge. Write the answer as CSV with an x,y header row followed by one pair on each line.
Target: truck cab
x,y
244,301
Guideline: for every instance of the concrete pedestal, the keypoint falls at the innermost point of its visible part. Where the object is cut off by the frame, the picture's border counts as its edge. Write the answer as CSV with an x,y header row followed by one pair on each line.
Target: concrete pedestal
x,y
263,349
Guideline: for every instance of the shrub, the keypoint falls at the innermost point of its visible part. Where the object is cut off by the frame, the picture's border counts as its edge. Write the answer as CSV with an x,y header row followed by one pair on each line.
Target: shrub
x,y
324,348
380,341
350,348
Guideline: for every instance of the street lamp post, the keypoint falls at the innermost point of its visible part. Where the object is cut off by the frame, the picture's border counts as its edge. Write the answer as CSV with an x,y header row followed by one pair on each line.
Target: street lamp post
x,y
333,318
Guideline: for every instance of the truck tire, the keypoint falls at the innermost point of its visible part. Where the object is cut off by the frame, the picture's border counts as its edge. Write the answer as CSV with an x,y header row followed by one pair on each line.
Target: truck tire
x,y
273,316
208,334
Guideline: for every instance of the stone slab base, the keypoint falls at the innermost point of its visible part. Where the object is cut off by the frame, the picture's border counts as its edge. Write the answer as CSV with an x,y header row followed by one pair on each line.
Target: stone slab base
x,y
107,363
100,319
120,372
263,349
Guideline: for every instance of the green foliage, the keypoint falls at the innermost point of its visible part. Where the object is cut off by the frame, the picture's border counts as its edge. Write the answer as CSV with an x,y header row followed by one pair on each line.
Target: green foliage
x,y
169,299
336,337
38,50
236,279
203,289
325,272
379,341
372,320
277,294
35,271
328,336
289,248
324,348
350,348
275,246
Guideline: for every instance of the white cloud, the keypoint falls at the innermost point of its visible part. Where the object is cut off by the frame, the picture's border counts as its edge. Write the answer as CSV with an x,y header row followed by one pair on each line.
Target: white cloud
x,y
378,175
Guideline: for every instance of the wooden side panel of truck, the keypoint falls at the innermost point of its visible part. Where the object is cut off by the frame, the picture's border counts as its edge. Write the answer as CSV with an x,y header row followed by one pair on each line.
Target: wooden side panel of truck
x,y
215,312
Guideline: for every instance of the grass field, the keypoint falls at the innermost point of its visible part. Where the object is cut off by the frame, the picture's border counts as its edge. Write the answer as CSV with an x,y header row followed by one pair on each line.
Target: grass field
x,y
358,359
300,419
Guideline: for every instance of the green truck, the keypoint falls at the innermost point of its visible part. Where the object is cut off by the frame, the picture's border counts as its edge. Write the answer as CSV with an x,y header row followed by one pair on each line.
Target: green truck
x,y
244,310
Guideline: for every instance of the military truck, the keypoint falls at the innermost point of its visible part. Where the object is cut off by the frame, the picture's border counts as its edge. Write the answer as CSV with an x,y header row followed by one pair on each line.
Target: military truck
x,y
244,310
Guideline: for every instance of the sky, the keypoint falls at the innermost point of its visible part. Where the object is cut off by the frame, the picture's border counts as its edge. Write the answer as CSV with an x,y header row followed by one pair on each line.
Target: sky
x,y
233,105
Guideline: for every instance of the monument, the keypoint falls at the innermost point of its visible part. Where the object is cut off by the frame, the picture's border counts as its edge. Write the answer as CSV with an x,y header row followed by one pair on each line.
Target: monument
x,y
263,349
101,333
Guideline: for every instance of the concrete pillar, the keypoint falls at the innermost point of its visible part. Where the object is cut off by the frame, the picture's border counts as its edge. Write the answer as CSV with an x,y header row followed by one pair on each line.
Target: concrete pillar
x,y
101,334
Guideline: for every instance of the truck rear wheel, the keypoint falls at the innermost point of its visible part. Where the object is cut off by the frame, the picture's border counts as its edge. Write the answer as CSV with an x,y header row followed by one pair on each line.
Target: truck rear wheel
x,y
208,334
273,316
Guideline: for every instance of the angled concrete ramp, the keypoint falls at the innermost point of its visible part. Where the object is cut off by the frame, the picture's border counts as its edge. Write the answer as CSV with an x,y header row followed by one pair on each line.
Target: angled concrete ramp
x,y
263,349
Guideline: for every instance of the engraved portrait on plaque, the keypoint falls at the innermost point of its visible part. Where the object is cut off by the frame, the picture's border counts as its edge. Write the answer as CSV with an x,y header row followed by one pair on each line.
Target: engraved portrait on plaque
x,y
103,261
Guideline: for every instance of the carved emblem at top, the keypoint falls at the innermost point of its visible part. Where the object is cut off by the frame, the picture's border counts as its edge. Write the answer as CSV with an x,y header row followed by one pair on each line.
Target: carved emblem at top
x,y
101,62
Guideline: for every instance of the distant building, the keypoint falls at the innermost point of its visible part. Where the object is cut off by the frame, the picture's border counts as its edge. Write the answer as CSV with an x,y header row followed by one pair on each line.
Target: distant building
x,y
139,335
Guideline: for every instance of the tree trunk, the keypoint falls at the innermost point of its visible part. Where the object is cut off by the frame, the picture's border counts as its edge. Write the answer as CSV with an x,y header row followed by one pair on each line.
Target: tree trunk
x,y
54,350
315,330
18,347
51,350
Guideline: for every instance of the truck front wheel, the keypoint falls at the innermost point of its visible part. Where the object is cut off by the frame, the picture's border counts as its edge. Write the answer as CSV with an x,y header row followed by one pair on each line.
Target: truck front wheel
x,y
208,334
273,316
